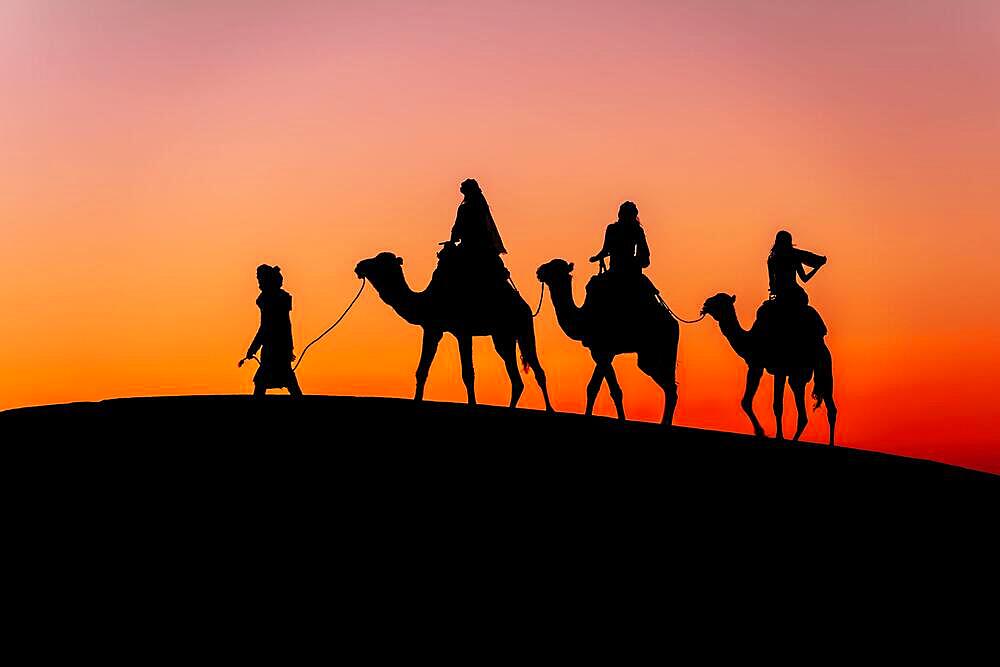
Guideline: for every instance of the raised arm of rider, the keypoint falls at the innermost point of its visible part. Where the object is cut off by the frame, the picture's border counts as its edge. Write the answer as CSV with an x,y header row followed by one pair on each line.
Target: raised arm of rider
x,y
806,275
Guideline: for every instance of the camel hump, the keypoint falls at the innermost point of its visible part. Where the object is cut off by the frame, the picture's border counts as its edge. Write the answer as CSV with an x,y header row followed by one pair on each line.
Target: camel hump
x,y
773,317
622,284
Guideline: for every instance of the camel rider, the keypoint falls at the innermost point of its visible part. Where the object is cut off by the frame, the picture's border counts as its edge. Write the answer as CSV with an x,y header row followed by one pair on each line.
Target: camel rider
x,y
787,315
623,288
625,242
784,263
474,225
477,238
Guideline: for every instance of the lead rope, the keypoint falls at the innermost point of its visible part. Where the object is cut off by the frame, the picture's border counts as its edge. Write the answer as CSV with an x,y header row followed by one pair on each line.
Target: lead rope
x,y
603,268
364,281
541,296
674,315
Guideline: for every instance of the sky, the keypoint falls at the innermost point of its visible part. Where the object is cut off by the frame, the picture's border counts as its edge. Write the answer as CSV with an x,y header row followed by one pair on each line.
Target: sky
x,y
155,153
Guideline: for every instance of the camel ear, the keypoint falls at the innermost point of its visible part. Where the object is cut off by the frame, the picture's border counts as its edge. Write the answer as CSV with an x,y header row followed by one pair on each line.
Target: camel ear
x,y
732,297
571,266
399,260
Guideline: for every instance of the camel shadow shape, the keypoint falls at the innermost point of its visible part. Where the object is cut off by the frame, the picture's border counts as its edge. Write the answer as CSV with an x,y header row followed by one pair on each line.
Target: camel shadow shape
x,y
797,359
442,307
651,333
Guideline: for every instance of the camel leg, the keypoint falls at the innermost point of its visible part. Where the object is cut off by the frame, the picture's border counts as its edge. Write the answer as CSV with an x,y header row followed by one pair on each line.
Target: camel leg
x,y
664,373
616,392
614,388
530,353
831,415
428,349
507,350
468,372
593,387
779,405
799,392
753,382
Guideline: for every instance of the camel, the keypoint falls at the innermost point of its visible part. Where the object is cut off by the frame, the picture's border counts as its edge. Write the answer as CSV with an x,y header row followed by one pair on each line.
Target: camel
x,y
796,363
506,317
654,337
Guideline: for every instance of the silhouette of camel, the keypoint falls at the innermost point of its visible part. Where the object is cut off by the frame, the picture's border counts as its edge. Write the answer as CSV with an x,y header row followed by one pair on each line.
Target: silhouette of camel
x,y
655,339
793,362
506,318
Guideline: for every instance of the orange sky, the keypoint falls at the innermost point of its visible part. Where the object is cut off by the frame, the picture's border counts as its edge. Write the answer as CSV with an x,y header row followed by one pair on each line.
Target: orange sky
x,y
154,155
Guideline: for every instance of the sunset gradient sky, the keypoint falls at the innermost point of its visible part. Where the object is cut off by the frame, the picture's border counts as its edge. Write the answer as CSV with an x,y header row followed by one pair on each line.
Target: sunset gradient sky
x,y
154,153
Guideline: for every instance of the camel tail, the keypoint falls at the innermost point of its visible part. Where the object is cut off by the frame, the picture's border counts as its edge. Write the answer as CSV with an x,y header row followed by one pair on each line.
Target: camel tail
x,y
525,368
823,379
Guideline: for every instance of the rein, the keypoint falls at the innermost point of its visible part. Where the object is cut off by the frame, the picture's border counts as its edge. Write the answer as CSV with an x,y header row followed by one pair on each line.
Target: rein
x,y
364,281
541,296
674,315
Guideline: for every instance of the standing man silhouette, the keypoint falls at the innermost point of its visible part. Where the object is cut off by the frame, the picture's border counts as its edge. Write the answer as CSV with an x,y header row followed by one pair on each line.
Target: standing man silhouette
x,y
274,336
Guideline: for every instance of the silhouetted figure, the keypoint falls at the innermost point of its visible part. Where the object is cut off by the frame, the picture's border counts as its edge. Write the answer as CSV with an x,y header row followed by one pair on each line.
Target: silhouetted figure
x,y
607,330
274,336
622,313
469,295
465,309
786,339
470,264
474,226
623,291
625,242
786,319
784,264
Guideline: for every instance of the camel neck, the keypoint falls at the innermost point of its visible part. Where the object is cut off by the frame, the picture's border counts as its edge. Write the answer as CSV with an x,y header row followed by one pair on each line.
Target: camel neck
x,y
397,294
567,312
738,337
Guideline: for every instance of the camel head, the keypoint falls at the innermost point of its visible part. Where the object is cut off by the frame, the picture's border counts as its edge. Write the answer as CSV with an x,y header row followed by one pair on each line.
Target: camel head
x,y
557,269
382,266
719,306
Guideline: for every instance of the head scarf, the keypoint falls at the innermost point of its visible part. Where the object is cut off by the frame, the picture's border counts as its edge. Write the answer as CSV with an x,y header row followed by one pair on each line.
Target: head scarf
x,y
474,196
